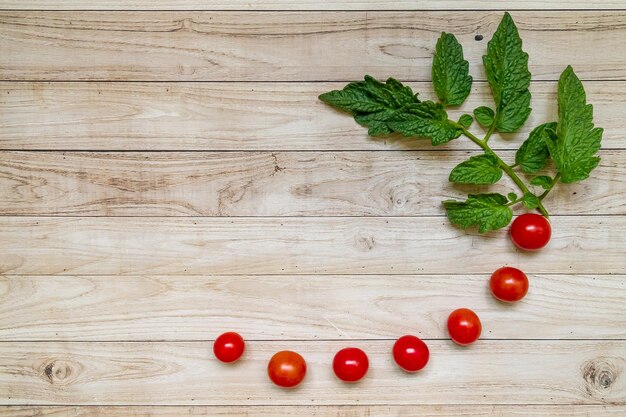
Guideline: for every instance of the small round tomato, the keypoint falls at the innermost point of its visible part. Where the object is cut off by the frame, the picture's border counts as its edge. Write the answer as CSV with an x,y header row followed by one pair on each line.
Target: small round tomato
x,y
229,347
530,231
464,326
350,364
410,353
286,369
508,284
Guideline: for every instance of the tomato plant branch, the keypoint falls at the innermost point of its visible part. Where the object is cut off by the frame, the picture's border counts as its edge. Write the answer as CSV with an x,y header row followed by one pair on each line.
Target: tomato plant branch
x,y
490,131
552,184
503,165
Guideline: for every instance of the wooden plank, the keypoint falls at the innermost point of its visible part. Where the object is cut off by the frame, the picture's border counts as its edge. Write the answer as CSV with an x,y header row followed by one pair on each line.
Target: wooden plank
x,y
300,46
176,308
503,372
312,245
320,411
239,116
267,184
308,5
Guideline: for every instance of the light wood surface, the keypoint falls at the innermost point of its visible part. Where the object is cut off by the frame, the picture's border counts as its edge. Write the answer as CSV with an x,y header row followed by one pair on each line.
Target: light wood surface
x,y
267,184
544,372
241,116
199,308
167,173
581,410
295,46
296,245
309,5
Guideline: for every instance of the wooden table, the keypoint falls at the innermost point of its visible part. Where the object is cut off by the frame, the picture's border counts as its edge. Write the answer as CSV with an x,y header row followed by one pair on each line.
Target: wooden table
x,y
167,174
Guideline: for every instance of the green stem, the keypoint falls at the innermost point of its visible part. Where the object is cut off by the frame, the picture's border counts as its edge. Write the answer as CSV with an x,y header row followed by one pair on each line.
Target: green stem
x,y
552,184
504,166
510,203
490,132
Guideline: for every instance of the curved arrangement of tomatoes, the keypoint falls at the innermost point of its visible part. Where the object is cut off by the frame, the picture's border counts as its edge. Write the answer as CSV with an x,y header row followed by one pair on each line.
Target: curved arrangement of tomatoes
x,y
286,369
508,284
530,231
410,353
464,326
350,364
229,347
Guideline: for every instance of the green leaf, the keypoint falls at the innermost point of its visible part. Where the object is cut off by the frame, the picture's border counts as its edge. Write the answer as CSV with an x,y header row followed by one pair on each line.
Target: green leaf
x,y
512,196
466,120
530,200
371,102
450,71
426,120
481,169
542,181
484,116
533,154
506,67
577,140
486,211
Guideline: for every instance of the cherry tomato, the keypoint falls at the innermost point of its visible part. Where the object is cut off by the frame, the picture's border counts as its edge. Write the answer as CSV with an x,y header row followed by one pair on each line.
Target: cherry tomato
x,y
530,231
464,326
508,284
286,369
350,364
229,347
410,353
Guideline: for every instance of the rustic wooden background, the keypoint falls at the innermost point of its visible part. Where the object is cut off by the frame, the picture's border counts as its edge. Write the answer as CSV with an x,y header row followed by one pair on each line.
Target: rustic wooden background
x,y
167,173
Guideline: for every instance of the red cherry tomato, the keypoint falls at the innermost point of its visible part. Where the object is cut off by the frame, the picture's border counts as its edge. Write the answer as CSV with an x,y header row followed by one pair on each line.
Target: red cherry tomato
x,y
531,231
508,284
229,347
350,364
410,353
464,326
286,369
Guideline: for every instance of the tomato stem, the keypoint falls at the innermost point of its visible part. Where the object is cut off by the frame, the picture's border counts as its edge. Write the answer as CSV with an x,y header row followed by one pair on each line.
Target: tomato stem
x,y
552,184
504,166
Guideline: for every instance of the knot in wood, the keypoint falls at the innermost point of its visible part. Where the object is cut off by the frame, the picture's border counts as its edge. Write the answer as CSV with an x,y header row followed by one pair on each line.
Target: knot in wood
x,y
58,371
600,374
364,243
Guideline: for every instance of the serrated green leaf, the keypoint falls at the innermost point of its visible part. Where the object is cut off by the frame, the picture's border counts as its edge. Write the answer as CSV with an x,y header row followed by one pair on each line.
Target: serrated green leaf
x,y
484,116
512,196
450,71
530,200
426,120
466,120
542,181
506,67
486,211
371,102
480,169
533,154
577,141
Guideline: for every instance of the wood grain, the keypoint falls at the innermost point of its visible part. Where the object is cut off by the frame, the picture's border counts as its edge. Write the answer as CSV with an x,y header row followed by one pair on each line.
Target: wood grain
x,y
312,245
241,116
295,46
307,5
268,184
176,308
320,411
494,372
